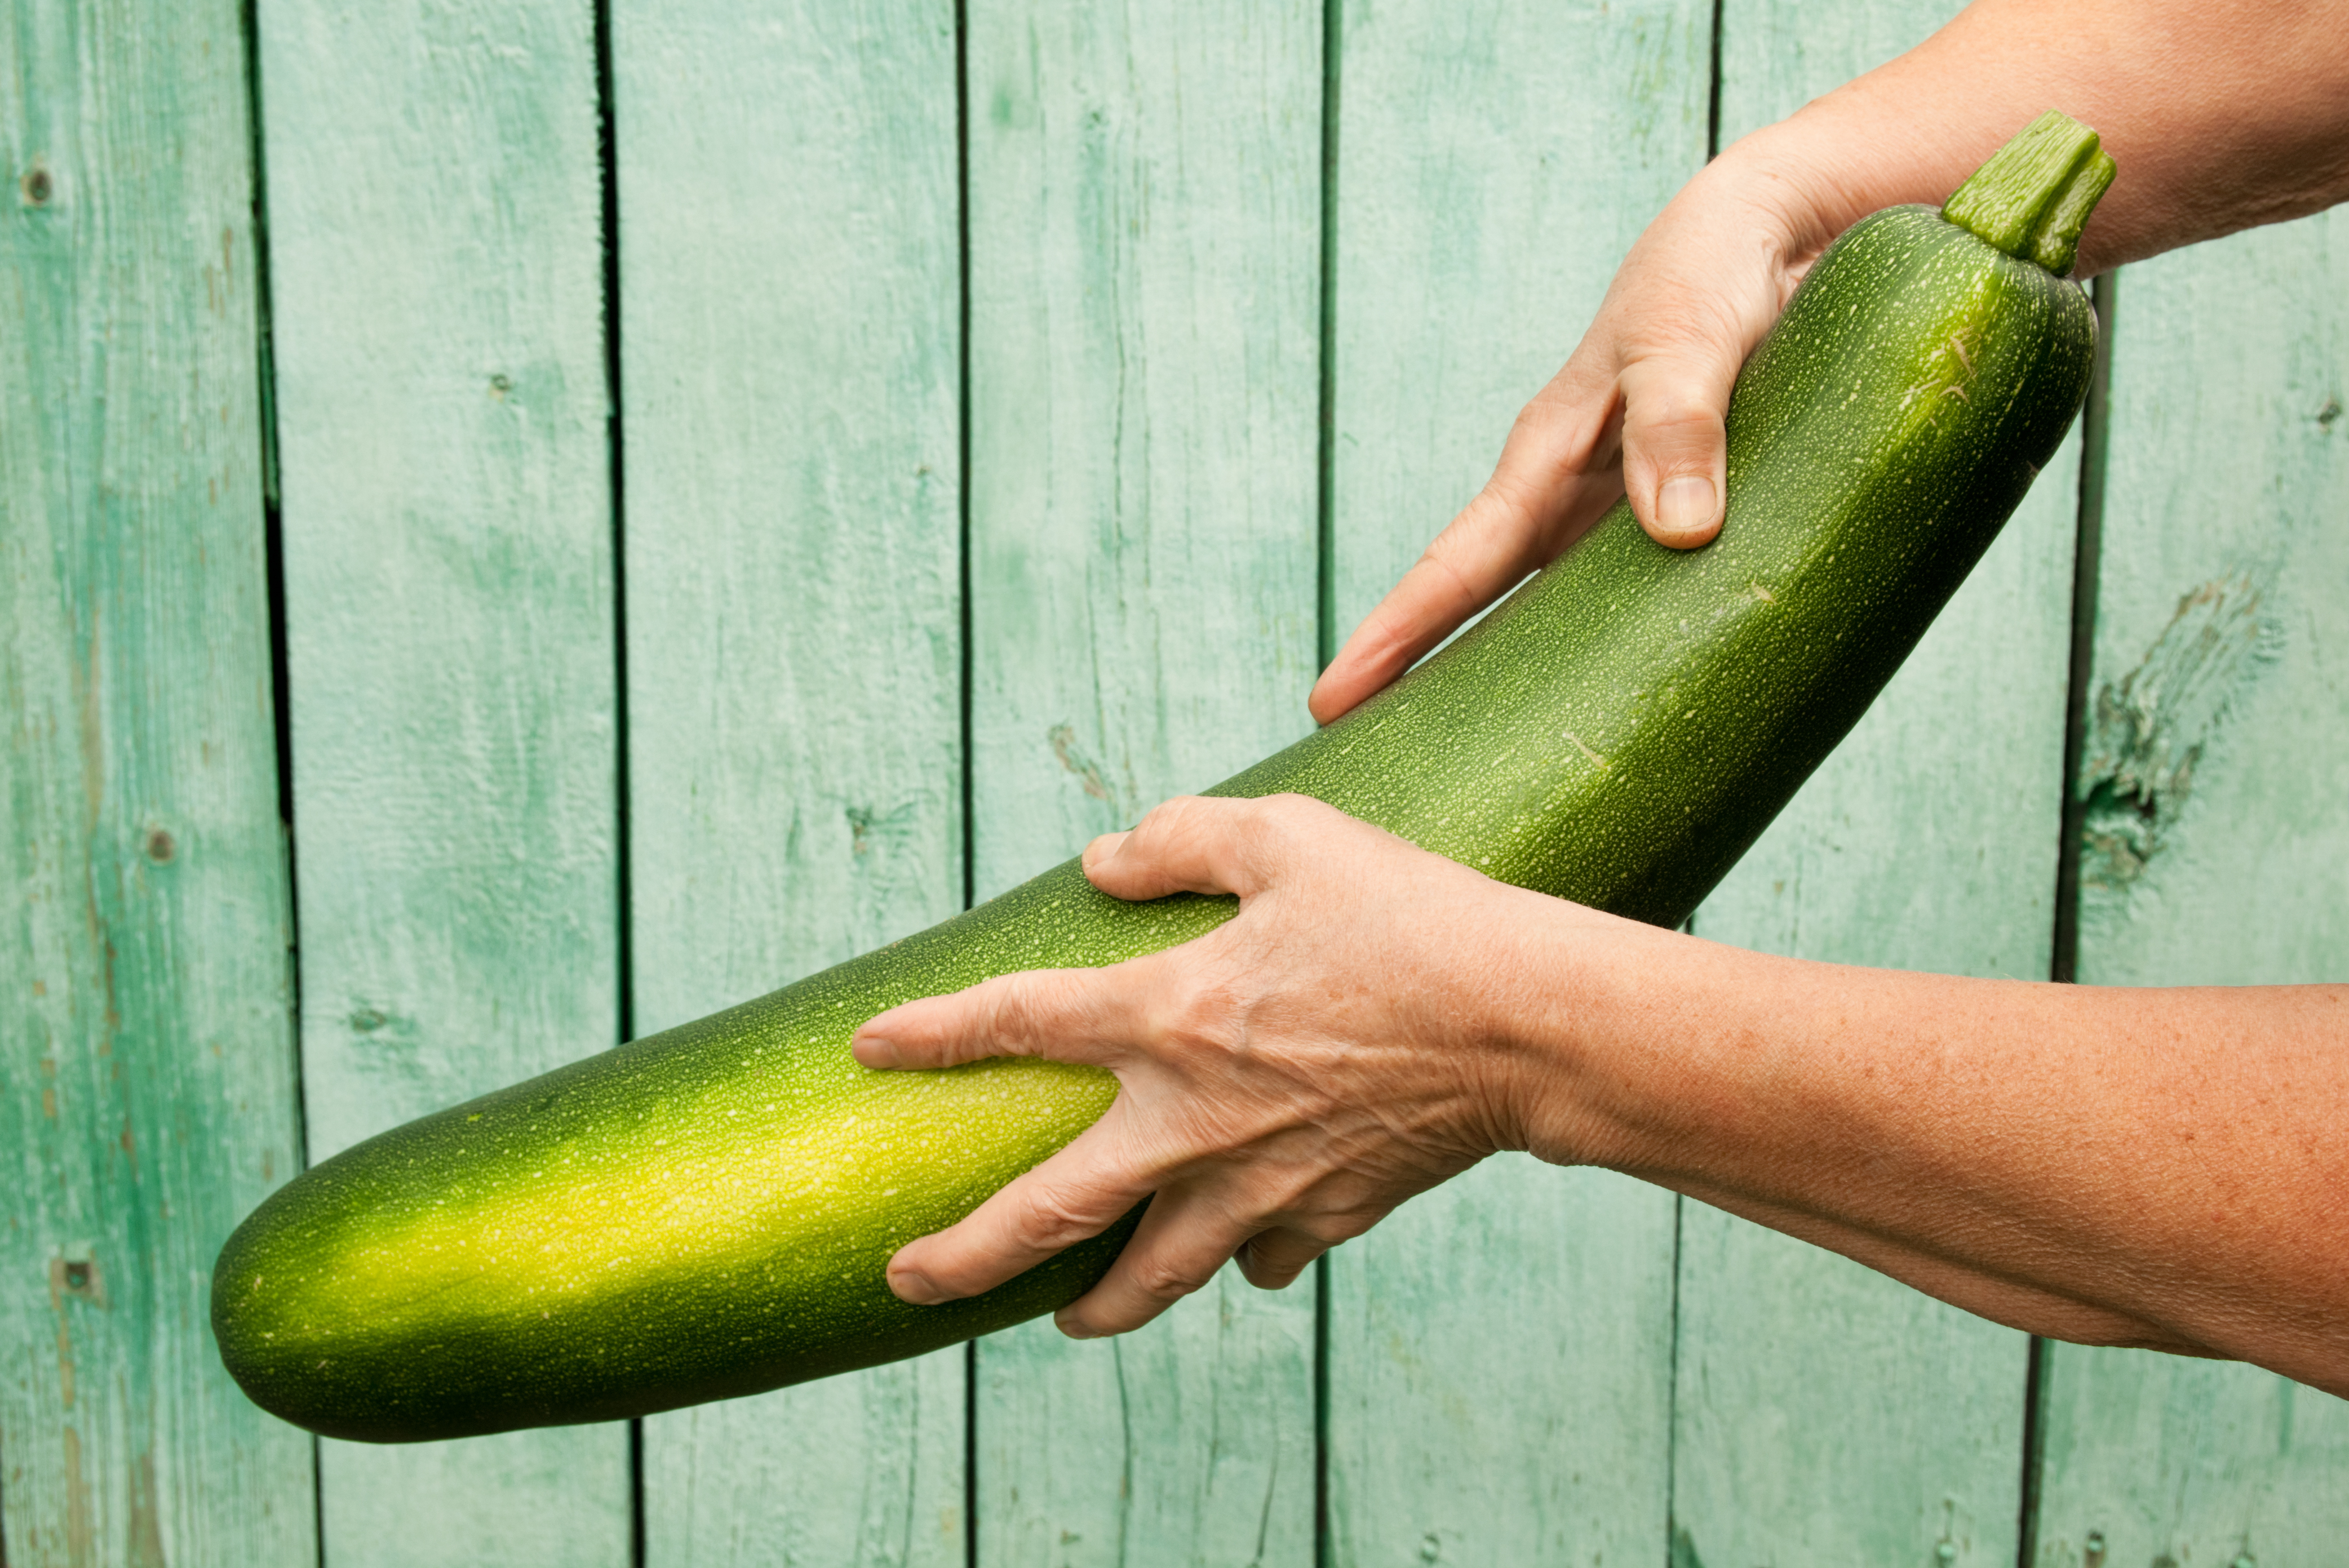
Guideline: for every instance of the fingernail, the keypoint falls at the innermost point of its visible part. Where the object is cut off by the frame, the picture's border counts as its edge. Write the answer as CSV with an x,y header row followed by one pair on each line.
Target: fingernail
x,y
1074,1329
917,1288
872,1051
1100,848
1684,504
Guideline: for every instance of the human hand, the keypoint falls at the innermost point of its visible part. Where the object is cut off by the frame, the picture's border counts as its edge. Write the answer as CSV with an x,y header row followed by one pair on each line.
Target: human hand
x,y
1283,1081
1639,409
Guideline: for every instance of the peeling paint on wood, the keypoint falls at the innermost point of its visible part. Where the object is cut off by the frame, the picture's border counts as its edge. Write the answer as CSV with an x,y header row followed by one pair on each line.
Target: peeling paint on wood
x,y
2148,728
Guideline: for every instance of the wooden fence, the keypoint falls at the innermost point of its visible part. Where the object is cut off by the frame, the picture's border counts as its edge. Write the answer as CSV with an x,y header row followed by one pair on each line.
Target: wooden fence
x,y
585,514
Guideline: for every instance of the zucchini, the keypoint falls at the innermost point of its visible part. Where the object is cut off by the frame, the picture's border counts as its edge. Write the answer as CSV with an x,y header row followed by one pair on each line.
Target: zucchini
x,y
708,1212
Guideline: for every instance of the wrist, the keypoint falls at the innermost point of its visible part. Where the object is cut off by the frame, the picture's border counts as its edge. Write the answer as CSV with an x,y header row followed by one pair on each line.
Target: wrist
x,y
1581,1033
1832,163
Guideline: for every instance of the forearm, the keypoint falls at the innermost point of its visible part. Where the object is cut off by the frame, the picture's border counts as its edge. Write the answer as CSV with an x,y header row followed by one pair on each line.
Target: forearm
x,y
2221,116
2027,1306
2143,1167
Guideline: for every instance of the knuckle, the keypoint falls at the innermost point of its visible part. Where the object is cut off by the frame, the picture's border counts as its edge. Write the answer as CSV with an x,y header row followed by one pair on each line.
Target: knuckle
x,y
1555,418
1014,1015
1270,832
1495,525
1274,1276
1052,1219
1159,821
1162,1280
1288,812
1492,513
1277,1259
1186,811
1255,818
1674,391
1514,505
1195,1018
1676,416
1175,824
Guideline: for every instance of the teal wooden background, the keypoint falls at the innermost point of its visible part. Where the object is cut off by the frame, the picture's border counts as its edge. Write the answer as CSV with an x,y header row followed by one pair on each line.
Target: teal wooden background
x,y
524,524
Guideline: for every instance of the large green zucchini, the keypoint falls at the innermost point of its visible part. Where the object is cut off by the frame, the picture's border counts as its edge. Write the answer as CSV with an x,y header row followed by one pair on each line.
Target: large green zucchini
x,y
708,1212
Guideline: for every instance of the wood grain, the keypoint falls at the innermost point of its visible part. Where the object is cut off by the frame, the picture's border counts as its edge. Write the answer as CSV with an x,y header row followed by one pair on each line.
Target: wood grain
x,y
1494,163
791,351
1500,1351
1144,201
146,1042
1500,1373
1826,1413
435,210
2216,848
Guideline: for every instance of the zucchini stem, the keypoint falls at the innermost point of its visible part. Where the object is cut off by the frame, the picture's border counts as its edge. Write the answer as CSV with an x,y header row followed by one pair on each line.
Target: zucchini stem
x,y
2033,196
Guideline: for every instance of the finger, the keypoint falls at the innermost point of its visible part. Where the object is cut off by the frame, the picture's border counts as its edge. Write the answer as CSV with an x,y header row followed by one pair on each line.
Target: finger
x,y
1675,452
1199,844
1555,476
1075,1194
1271,1260
1182,1240
1062,1015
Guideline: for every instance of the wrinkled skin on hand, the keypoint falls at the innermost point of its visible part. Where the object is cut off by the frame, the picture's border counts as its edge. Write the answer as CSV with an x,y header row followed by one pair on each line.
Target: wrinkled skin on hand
x,y
1284,1081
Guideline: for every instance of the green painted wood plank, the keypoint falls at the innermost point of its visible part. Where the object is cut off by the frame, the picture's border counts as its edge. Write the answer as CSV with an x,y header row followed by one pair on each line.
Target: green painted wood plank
x,y
1826,1413
146,1044
2226,494
2153,1459
789,289
435,212
1500,1372
1494,163
1499,1350
2221,683
1145,200
862,1468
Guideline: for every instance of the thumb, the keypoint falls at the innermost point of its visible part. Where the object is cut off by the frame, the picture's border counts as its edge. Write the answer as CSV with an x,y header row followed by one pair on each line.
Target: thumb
x,y
1556,475
1060,1015
1202,844
1675,452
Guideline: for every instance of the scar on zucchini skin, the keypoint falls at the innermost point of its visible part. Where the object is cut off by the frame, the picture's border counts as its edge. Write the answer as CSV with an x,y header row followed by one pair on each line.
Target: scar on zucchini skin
x,y
2150,729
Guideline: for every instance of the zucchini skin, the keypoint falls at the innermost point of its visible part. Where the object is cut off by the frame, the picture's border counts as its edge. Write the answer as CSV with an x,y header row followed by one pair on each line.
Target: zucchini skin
x,y
708,1212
